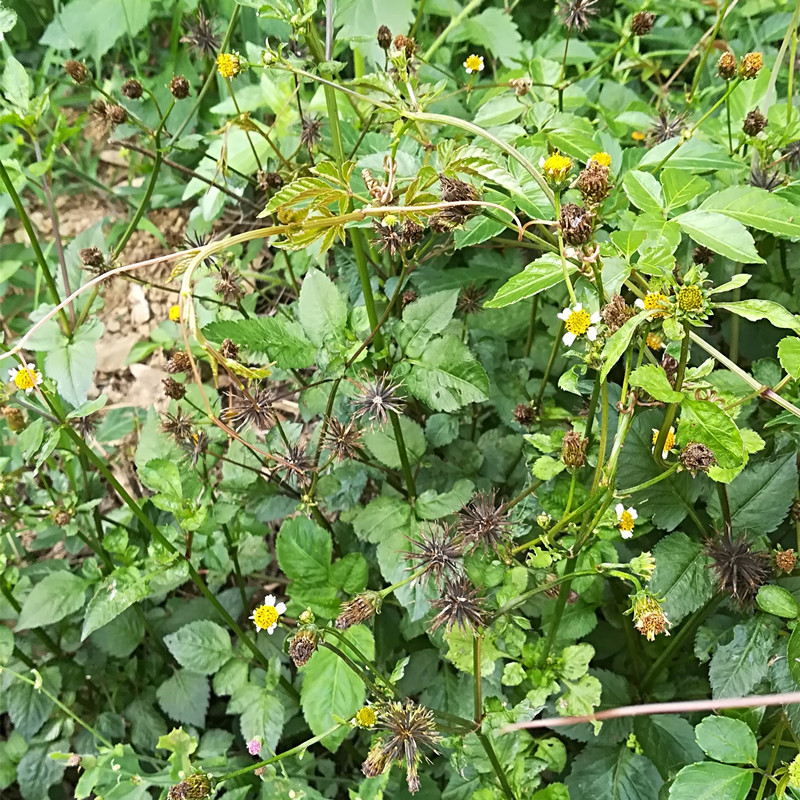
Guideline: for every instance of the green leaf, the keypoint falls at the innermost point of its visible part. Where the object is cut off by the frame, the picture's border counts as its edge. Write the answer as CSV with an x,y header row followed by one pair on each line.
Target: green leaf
x,y
628,242
693,154
37,772
613,773
776,600
322,311
280,340
495,31
447,376
6,644
738,666
27,707
547,467
537,276
304,551
728,740
184,697
756,208
709,781
680,187
201,646
499,110
789,355
119,591
425,317
382,444
682,576
262,714
71,364
331,689
668,741
360,19
755,310
644,191
721,234
16,85
164,477
56,596
793,656
432,505
654,381
705,422
761,495
618,342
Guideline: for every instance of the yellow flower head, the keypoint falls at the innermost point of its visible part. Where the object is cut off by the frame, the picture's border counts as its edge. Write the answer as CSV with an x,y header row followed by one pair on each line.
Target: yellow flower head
x,y
25,378
648,617
655,341
474,63
175,313
751,65
229,65
626,519
266,616
604,159
638,136
556,167
653,300
690,298
669,442
366,717
794,773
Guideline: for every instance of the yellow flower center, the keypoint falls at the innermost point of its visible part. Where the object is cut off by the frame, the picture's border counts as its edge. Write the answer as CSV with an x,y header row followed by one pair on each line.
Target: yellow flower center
x,y
265,617
669,442
637,136
25,379
626,521
557,166
475,63
578,322
601,158
228,65
651,623
655,341
690,298
175,313
366,717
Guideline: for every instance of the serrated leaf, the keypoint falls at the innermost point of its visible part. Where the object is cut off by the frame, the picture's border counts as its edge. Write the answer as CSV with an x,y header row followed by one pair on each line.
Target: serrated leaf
x,y
613,773
184,697
280,340
728,740
119,591
58,595
737,667
682,576
755,310
322,311
618,342
721,234
654,381
262,714
628,242
424,318
757,208
668,741
434,505
693,154
680,187
537,276
383,445
27,707
705,422
201,646
37,772
331,689
644,191
71,364
789,355
304,551
297,192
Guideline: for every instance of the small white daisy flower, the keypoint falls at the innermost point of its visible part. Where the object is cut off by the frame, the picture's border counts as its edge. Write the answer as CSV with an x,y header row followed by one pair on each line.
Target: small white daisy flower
x,y
266,616
626,517
669,442
474,63
578,322
26,378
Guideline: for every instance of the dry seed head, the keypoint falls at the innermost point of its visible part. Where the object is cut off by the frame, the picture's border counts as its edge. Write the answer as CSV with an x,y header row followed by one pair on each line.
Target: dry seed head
x,y
524,413
76,70
180,362
785,560
751,65
754,122
459,607
384,37
455,190
409,296
696,457
179,87
740,570
15,418
593,183
92,257
702,256
302,646
173,389
726,66
573,449
132,89
576,13
343,440
200,37
250,408
642,23
576,224
411,233
483,522
616,313
438,552
361,608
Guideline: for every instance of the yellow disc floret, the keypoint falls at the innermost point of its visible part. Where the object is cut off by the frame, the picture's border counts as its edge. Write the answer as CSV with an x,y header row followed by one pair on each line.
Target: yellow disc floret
x,y
229,65
669,442
366,717
578,322
655,341
556,167
601,158
690,298
25,379
175,313
265,617
473,63
626,521
649,618
751,65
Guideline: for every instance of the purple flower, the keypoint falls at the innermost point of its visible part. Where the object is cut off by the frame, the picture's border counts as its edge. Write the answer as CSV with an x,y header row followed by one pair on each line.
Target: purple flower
x,y
254,747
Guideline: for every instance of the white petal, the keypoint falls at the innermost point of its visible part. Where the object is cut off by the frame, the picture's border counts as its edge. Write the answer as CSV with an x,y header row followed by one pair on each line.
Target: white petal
x,y
639,302
12,373
541,161
281,608
633,512
269,600
626,534
568,338
469,71
619,508
252,616
595,317
577,307
29,390
272,627
665,453
565,315
591,334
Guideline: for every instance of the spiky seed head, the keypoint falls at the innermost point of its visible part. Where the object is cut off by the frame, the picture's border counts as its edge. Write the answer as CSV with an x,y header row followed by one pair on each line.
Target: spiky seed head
x,y
92,257
642,23
740,569
228,286
471,298
310,132
459,607
200,36
132,89
173,389
250,408
665,127
343,440
764,179
361,608
484,523
438,551
411,233
577,13
377,398
177,425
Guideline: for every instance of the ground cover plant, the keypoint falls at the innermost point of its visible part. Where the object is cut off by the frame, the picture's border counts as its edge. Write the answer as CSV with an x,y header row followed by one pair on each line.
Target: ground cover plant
x,y
393,391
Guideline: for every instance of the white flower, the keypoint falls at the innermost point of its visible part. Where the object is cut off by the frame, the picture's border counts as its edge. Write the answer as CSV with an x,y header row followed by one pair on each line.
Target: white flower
x,y
266,616
625,520
473,63
26,378
578,322
639,302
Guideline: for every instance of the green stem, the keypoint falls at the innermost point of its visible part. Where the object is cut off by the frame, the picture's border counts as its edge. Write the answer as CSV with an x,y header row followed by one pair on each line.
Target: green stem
x,y
39,687
452,25
537,405
26,223
672,408
639,486
367,662
707,51
765,778
563,594
496,766
408,476
476,680
531,326
299,749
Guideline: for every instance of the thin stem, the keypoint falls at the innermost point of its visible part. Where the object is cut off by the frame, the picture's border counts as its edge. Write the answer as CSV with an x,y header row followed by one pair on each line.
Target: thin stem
x,y
537,405
639,486
408,476
707,50
672,408
531,326
476,680
454,23
496,766
563,594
